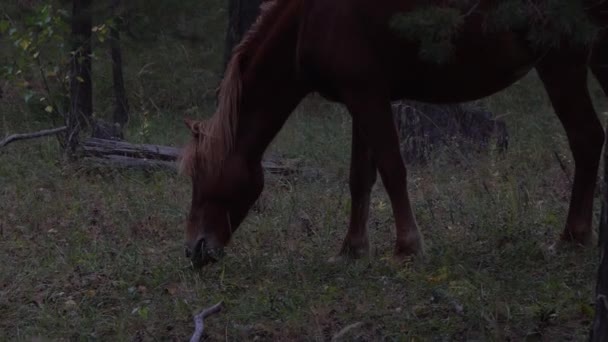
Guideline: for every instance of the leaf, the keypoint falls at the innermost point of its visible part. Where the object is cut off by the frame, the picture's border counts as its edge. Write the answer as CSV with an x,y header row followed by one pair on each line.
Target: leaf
x,y
440,276
143,312
80,79
48,109
4,26
25,43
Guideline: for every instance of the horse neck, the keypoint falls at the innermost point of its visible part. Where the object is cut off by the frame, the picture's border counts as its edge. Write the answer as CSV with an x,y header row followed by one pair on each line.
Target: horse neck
x,y
270,89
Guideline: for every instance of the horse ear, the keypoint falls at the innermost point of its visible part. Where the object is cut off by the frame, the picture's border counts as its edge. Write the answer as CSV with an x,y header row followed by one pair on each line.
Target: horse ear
x,y
195,126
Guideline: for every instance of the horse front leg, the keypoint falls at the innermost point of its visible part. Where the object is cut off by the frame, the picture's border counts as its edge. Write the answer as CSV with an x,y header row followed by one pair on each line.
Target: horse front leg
x,y
376,127
565,80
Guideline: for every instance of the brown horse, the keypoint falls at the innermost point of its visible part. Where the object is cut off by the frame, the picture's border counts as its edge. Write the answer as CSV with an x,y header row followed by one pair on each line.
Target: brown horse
x,y
347,51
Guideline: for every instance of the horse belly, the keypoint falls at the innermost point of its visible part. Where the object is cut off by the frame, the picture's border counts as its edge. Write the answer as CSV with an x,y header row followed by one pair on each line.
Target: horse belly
x,y
480,65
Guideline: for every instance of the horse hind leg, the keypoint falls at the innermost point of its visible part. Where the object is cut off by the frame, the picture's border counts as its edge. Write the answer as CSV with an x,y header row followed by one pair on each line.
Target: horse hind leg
x,y
362,179
376,126
565,79
599,64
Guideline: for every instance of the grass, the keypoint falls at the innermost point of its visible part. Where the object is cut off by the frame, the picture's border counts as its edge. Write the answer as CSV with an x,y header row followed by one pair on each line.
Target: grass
x,y
93,254
97,254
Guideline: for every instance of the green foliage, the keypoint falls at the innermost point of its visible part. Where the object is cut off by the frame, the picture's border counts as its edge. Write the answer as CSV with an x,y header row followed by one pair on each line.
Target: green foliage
x,y
433,27
547,23
146,19
507,15
39,65
562,21
34,68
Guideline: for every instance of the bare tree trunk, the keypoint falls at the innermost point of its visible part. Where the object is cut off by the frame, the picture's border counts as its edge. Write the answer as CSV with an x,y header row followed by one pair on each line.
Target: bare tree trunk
x,y
121,106
81,89
241,15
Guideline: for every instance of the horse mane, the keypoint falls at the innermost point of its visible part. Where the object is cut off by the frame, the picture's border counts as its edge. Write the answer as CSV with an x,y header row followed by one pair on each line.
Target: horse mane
x,y
214,139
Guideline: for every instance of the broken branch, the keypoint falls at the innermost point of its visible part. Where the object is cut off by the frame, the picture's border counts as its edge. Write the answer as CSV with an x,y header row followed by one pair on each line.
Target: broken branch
x,y
23,136
199,321
346,330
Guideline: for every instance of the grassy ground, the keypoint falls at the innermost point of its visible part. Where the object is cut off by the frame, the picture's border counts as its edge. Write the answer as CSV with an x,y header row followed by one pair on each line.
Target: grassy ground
x,y
97,254
90,254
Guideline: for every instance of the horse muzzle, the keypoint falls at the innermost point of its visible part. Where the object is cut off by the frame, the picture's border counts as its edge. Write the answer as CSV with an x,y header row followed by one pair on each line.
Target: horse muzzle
x,y
202,253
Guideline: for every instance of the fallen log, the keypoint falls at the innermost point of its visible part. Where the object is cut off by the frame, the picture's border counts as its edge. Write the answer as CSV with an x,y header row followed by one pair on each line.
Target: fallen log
x,y
106,147
122,154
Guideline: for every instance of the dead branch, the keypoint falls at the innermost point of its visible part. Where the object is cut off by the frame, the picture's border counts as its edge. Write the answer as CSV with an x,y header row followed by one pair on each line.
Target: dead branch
x,y
23,136
199,321
563,166
345,331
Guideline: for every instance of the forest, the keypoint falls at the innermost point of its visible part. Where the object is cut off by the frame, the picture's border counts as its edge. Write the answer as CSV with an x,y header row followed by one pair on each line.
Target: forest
x,y
93,210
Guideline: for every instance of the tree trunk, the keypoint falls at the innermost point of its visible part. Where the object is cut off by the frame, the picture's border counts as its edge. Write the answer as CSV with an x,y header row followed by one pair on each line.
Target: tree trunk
x,y
121,106
424,128
241,15
81,89
599,330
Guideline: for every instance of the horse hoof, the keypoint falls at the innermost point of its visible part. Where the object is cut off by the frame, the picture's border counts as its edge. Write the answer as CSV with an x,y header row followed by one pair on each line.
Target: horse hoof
x,y
584,240
337,259
411,250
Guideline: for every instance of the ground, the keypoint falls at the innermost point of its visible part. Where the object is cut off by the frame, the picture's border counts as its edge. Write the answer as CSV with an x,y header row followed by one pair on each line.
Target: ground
x,y
89,253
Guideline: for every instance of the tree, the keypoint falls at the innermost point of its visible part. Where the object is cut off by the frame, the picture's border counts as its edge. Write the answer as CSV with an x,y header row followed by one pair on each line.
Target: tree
x,y
121,106
81,87
241,15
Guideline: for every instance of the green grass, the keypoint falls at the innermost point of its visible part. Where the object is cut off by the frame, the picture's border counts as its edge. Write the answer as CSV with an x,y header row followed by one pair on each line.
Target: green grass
x,y
97,254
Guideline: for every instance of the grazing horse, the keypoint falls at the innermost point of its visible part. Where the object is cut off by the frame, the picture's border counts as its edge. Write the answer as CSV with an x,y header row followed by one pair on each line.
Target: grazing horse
x,y
349,52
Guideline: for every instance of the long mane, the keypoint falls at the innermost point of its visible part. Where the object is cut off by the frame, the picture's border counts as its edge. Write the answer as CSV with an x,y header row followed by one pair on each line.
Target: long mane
x,y
214,139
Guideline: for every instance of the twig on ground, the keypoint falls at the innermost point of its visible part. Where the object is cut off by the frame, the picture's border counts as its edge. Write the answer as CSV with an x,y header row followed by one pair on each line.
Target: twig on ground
x,y
345,331
23,136
563,167
199,321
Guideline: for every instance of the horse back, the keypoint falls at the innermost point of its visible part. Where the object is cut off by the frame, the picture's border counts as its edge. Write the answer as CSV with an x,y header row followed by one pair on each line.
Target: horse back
x,y
354,43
